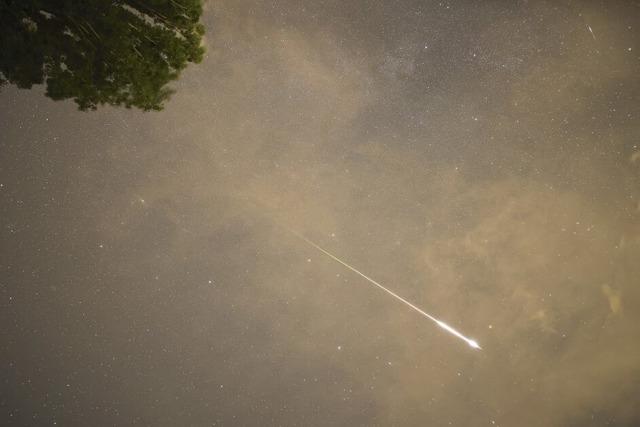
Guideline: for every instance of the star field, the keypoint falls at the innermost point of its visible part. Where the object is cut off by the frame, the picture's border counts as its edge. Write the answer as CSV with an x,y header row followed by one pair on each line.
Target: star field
x,y
481,159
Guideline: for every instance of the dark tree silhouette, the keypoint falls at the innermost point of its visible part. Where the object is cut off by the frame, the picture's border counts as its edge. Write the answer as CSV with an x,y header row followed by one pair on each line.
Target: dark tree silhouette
x,y
117,52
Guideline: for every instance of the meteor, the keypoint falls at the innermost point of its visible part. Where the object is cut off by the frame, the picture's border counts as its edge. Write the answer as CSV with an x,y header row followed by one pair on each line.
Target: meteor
x,y
440,323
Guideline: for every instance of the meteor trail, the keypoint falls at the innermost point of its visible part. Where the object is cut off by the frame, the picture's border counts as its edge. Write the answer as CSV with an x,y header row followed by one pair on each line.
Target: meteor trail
x,y
440,323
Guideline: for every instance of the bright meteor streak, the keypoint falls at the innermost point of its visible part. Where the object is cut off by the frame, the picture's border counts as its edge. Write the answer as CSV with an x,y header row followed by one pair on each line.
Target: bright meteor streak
x,y
440,323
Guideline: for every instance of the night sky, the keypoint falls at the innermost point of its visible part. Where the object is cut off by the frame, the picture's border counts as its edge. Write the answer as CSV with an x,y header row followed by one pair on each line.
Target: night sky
x,y
479,158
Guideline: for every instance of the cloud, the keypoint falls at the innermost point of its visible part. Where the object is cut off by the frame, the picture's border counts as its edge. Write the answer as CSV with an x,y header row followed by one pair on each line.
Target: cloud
x,y
614,298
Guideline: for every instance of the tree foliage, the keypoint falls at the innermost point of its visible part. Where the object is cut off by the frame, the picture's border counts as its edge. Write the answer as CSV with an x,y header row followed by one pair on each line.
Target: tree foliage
x,y
117,52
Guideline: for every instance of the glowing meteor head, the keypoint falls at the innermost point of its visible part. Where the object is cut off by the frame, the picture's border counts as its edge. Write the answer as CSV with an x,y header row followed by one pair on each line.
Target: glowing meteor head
x,y
474,344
